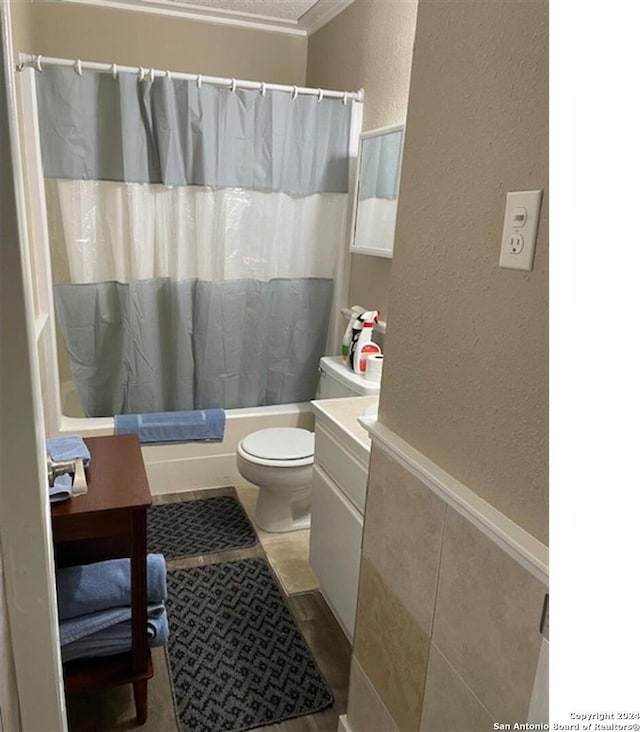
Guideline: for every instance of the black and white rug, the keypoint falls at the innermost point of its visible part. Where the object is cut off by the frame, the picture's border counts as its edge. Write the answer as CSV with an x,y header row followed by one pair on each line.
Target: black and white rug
x,y
192,528
237,658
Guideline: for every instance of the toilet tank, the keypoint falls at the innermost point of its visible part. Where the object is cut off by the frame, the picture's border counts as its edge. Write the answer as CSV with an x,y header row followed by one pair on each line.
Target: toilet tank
x,y
338,380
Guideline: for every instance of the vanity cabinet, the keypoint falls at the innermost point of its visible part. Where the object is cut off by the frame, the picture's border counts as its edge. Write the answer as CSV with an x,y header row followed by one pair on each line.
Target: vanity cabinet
x,y
337,503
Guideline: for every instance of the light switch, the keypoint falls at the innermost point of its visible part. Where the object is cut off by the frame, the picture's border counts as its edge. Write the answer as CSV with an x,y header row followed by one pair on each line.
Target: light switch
x,y
520,229
519,218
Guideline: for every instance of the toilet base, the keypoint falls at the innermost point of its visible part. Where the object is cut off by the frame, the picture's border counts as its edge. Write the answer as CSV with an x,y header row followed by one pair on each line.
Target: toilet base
x,y
278,511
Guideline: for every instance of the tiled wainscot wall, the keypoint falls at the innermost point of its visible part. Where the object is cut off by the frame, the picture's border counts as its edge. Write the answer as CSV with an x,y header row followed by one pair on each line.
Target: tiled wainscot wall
x,y
450,601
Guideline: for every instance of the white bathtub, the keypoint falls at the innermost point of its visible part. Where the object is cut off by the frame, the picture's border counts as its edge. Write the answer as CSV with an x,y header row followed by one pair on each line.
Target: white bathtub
x,y
187,466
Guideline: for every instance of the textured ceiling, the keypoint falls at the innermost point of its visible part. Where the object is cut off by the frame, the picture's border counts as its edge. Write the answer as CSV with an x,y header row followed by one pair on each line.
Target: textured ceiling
x,y
291,10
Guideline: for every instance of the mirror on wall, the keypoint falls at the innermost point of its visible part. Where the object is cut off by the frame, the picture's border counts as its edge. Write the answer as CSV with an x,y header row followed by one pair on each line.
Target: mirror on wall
x,y
379,164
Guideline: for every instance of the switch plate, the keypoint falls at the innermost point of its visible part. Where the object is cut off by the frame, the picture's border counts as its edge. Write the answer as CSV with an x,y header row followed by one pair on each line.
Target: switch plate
x,y
519,239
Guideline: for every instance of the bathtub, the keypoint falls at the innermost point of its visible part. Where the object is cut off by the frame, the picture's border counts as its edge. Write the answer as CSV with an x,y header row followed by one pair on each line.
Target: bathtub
x,y
188,466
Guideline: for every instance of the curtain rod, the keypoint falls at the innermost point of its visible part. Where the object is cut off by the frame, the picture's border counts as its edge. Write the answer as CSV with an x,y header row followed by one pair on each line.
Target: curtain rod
x,y
37,62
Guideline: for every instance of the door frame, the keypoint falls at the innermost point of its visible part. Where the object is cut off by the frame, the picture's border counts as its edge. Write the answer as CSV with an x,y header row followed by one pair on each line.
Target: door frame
x,y
25,521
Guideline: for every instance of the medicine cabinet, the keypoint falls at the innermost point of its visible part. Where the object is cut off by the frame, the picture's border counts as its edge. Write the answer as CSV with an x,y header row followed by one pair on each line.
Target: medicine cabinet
x,y
379,162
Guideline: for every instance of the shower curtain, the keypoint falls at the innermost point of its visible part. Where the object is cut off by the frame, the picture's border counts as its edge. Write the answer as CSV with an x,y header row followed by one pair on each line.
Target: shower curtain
x,y
195,233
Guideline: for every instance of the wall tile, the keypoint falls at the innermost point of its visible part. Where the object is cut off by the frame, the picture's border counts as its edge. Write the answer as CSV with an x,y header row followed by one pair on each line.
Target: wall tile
x,y
487,616
391,648
539,707
449,704
366,712
403,535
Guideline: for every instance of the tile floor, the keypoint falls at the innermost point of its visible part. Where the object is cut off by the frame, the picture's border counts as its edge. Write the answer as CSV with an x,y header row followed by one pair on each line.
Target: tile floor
x,y
287,553
112,710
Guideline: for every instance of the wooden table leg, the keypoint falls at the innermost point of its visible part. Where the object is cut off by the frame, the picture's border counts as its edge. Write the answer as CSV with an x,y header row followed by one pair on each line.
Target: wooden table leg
x,y
139,591
140,698
139,650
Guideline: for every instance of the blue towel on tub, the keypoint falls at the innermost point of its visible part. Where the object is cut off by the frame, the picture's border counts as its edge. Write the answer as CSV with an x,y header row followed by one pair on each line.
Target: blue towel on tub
x,y
108,632
69,447
203,424
93,588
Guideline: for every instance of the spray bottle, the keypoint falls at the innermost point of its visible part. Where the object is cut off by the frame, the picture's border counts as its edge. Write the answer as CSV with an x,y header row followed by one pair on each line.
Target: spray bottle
x,y
363,345
356,310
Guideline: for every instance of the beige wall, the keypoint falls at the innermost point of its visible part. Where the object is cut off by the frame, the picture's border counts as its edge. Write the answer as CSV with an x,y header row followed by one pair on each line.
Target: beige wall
x,y
20,26
466,377
369,45
108,35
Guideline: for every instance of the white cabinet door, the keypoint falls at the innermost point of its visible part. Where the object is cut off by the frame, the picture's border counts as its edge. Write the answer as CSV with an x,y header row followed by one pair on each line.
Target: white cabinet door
x,y
335,546
343,467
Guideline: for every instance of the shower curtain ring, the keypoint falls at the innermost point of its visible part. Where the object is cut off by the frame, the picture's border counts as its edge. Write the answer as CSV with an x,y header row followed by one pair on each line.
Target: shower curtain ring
x,y
320,95
294,94
199,81
263,88
152,75
38,62
234,84
141,73
114,70
344,98
78,67
168,73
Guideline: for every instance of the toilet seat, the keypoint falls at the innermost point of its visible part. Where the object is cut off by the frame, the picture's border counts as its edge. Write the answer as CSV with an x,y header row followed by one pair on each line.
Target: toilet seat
x,y
279,447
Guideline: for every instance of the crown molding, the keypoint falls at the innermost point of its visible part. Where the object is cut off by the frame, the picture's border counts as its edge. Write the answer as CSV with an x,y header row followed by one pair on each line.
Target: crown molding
x,y
317,16
323,12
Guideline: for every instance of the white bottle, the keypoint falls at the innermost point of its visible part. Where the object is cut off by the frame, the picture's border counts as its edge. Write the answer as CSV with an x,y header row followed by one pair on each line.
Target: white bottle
x,y
356,311
365,346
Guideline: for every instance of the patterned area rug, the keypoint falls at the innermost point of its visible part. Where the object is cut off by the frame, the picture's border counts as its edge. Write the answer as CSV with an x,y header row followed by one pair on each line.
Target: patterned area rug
x,y
237,658
192,528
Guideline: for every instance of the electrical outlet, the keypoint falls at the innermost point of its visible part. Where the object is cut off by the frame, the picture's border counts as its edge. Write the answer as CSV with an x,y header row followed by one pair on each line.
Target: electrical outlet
x,y
520,229
516,244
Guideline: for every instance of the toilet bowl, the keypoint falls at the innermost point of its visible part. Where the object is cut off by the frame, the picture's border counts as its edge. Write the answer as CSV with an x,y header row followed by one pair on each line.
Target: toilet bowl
x,y
279,460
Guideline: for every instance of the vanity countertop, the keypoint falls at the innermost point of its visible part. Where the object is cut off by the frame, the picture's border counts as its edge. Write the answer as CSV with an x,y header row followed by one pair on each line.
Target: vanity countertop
x,y
343,414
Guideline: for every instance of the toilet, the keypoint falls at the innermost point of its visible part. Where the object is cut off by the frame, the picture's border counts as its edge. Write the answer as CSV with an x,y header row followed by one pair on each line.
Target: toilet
x,y
279,460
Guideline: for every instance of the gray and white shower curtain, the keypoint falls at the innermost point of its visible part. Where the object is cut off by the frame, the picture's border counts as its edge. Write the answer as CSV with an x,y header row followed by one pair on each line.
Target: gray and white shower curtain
x,y
195,234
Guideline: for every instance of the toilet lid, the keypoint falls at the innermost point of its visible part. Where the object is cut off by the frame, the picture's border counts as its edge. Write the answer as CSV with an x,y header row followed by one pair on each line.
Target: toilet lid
x,y
280,443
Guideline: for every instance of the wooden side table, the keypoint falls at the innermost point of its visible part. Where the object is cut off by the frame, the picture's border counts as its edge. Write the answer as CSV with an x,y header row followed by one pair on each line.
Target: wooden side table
x,y
108,522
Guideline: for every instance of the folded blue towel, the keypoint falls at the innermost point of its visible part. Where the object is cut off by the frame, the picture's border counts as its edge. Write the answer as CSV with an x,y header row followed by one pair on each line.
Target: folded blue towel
x,y
115,638
92,588
69,447
77,628
61,488
203,424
